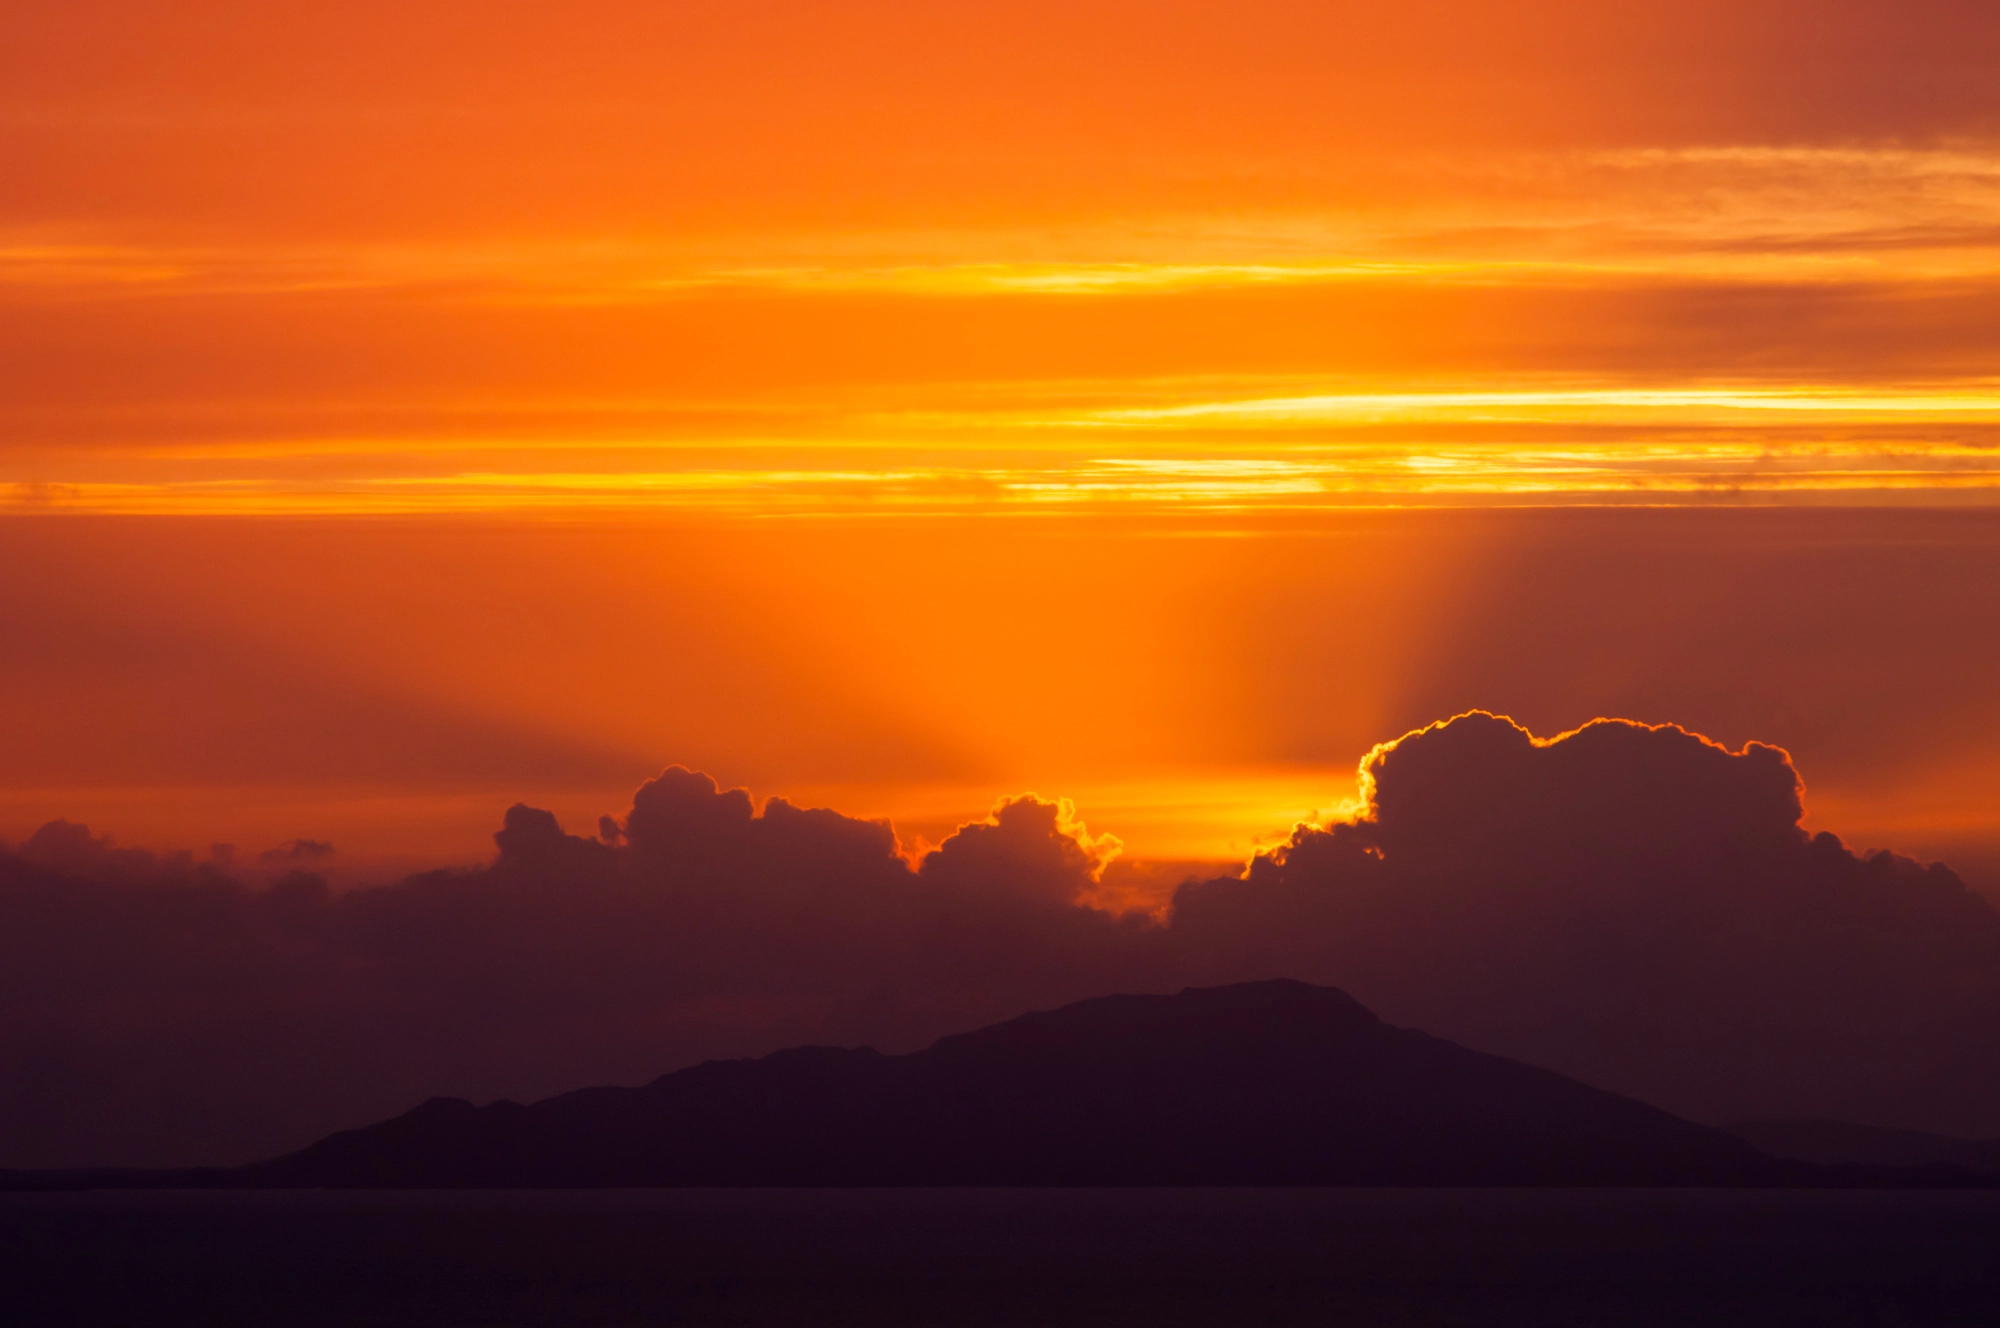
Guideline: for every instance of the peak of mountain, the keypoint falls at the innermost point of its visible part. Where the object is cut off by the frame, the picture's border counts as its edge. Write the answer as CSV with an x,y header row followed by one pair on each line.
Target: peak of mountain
x,y
1268,1083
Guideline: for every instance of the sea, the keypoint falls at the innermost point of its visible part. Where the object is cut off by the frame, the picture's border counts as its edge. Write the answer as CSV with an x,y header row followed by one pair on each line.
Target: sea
x,y
988,1257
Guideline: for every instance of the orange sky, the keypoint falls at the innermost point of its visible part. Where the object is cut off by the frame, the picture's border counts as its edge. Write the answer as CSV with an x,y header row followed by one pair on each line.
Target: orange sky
x,y
398,403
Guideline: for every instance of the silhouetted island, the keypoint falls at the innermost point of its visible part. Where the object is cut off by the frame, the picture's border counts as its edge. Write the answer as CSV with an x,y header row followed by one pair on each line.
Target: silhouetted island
x,y
1269,1083
1835,1143
1266,1083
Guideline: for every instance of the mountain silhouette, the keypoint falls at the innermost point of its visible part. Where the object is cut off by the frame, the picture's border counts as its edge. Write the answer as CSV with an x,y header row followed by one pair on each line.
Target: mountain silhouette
x,y
1268,1083
1836,1143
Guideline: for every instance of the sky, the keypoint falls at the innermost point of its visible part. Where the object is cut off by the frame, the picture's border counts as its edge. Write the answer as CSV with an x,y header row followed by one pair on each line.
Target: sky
x,y
783,258
408,406
1635,906
412,411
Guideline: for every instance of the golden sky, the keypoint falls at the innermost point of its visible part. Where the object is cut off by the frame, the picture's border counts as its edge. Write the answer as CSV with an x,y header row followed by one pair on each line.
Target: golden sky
x,y
407,406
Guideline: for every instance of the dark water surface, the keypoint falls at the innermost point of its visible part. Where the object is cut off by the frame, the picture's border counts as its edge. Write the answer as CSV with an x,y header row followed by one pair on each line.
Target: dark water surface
x,y
1253,1257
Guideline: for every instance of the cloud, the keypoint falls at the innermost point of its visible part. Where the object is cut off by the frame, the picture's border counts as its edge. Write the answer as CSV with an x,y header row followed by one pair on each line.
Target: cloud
x,y
157,1009
1028,844
1640,907
297,851
69,847
1634,905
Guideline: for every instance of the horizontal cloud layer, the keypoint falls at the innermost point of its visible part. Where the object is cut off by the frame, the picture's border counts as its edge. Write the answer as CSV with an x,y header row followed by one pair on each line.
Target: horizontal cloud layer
x,y
1633,905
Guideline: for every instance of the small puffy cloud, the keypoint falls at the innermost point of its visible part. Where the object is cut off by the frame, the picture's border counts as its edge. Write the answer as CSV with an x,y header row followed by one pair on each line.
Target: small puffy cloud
x,y
1028,845
295,852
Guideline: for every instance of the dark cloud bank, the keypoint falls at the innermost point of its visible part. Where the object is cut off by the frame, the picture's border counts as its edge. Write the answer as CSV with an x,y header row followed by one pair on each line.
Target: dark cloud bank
x,y
1633,906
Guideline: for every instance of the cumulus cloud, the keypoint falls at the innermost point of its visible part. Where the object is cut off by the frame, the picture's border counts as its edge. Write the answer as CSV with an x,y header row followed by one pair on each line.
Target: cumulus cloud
x,y
156,1009
1639,907
293,851
1633,905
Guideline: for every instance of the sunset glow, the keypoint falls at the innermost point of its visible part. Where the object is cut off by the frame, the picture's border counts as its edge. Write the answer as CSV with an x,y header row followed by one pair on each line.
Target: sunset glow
x,y
1350,645
967,395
